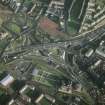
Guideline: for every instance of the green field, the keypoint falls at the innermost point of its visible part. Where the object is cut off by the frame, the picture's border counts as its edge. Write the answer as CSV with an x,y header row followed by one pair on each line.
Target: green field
x,y
101,3
75,22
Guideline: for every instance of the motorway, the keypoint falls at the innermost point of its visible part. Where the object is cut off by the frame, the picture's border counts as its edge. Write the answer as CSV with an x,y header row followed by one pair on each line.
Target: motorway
x,y
94,35
74,41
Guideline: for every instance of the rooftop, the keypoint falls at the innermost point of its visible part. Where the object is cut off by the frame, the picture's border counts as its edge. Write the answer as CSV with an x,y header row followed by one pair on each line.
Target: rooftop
x,y
101,51
7,80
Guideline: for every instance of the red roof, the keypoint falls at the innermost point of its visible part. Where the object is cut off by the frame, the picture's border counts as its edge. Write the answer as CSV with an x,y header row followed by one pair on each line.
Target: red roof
x,y
50,27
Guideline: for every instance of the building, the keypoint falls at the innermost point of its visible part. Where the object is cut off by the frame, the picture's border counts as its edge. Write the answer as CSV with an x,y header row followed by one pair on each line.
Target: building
x,y
50,98
45,99
89,53
88,19
39,98
34,72
56,8
11,102
17,101
55,12
96,64
66,89
6,81
76,87
30,94
100,52
3,35
27,5
25,89
13,4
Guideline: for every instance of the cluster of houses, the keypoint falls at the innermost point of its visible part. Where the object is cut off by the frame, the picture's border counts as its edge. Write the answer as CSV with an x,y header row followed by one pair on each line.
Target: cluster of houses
x,y
18,5
94,15
53,23
27,94
13,4
56,10
70,88
88,16
3,35
96,59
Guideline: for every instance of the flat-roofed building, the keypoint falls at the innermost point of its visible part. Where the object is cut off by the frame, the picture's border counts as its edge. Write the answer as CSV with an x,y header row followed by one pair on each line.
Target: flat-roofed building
x,y
13,4
39,98
17,101
89,52
65,89
56,8
96,64
6,81
11,102
50,98
100,52
88,19
24,90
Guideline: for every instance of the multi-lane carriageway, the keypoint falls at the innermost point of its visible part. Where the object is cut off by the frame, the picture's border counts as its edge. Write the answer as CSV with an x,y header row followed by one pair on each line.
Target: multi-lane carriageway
x,y
74,41
91,36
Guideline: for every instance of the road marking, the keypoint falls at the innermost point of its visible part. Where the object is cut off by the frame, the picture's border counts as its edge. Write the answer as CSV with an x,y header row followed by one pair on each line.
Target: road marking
x,y
81,10
73,2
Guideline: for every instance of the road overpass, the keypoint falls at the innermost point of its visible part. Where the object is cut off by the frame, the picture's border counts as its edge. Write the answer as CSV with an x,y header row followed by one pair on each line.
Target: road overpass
x,y
73,41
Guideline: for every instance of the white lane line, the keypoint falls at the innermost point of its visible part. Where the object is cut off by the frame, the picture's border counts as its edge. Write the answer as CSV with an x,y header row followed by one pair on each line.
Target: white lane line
x,y
73,2
81,10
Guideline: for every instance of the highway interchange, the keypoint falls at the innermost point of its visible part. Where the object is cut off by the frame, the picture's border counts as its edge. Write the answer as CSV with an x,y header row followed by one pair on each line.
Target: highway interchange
x,y
56,61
